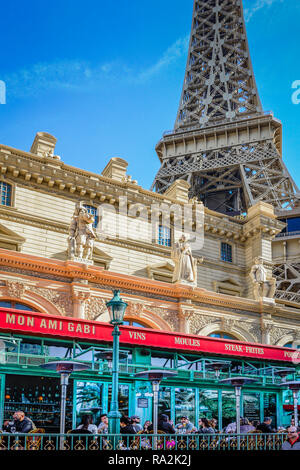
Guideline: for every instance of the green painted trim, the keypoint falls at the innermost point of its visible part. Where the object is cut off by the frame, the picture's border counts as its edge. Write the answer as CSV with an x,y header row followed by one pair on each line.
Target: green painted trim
x,y
2,395
220,414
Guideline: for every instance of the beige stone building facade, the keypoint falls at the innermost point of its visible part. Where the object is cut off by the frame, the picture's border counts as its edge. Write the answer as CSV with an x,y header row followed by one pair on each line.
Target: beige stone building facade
x,y
39,194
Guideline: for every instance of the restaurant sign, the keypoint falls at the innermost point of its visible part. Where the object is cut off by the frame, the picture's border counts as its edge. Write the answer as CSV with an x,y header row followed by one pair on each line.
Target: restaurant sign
x,y
17,321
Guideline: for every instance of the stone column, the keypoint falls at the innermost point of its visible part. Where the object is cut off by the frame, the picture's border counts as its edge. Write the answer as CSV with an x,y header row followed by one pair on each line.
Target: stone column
x,y
80,300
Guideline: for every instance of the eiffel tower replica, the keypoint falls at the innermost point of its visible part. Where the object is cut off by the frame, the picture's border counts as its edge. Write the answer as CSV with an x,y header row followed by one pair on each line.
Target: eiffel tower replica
x,y
223,143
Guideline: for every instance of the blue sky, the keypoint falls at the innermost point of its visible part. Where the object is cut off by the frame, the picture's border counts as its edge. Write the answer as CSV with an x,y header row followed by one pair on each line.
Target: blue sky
x,y
105,78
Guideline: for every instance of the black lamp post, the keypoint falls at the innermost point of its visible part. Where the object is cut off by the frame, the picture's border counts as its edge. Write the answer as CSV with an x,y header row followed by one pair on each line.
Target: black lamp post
x,y
116,308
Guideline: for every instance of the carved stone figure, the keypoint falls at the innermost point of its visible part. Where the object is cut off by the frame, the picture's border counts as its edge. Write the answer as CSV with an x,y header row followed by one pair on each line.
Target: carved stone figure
x,y
264,286
185,265
81,234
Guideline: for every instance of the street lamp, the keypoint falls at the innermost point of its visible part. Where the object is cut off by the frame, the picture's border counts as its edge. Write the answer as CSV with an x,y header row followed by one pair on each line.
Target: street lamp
x,y
295,387
238,382
116,309
65,369
156,376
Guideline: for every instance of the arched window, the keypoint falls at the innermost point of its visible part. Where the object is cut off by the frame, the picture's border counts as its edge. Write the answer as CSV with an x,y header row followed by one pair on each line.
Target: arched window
x,y
5,191
16,305
221,335
134,323
290,345
93,211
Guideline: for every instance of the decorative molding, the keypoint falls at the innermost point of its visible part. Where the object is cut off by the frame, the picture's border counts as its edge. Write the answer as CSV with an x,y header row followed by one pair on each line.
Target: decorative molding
x,y
170,316
15,289
198,321
61,300
95,308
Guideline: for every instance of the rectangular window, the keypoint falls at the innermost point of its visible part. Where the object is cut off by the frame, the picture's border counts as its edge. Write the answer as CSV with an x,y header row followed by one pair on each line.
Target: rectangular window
x,y
251,402
270,408
89,400
164,236
5,190
94,212
228,408
208,404
185,401
226,252
164,404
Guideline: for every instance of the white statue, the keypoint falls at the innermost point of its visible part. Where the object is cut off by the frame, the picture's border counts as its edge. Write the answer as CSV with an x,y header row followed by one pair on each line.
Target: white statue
x,y
264,286
185,265
81,234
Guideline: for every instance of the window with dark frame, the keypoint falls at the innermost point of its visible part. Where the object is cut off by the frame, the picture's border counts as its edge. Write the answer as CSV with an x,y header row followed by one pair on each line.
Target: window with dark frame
x,y
5,190
164,236
93,211
226,252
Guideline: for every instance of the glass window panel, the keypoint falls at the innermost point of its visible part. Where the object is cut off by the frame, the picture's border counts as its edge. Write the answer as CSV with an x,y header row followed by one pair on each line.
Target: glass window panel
x,y
57,350
5,304
226,252
164,401
123,398
164,236
5,191
161,361
251,403
23,307
30,347
228,407
185,404
88,400
293,224
270,407
93,211
208,404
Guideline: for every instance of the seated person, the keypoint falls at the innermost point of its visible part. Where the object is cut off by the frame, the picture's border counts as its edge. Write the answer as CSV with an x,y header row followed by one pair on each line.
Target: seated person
x,y
21,424
87,425
103,426
185,426
126,426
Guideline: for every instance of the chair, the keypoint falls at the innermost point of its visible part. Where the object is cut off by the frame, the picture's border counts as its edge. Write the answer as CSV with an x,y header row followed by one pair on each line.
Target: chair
x,y
78,443
34,442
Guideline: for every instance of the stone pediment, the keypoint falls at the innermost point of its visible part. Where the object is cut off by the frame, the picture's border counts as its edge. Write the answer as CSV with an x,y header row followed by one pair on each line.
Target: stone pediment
x,y
10,240
161,271
228,286
101,258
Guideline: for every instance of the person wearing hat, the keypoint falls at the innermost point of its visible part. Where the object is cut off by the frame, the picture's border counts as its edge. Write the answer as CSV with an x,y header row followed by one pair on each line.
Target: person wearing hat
x,y
185,426
136,423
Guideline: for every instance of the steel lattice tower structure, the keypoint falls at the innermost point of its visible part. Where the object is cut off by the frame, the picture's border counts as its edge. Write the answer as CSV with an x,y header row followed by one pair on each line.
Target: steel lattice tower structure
x,y
223,144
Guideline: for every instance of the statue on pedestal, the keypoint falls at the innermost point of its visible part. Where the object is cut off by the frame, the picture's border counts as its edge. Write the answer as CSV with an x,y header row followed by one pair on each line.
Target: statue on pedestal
x,y
264,286
81,235
185,265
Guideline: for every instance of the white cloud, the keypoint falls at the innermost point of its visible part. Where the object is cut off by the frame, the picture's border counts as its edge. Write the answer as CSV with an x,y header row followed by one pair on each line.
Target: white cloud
x,y
257,5
177,50
76,75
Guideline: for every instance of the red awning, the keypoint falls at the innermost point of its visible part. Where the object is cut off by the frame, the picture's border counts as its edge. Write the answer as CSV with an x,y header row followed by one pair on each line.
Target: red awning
x,y
32,323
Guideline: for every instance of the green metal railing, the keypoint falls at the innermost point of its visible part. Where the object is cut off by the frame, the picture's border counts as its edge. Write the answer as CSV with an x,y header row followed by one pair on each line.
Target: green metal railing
x,y
142,442
265,374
